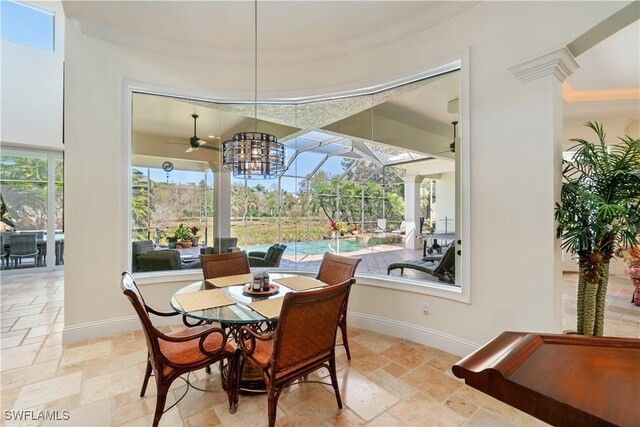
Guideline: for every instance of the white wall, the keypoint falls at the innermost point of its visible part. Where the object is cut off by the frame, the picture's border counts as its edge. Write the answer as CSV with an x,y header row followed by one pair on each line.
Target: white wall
x,y
514,153
32,89
446,202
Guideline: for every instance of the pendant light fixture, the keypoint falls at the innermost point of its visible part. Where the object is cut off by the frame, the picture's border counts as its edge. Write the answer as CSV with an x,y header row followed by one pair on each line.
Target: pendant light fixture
x,y
254,155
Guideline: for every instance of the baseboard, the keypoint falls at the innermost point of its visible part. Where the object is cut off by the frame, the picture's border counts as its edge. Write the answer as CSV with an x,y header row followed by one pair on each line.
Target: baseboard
x,y
415,333
105,328
396,328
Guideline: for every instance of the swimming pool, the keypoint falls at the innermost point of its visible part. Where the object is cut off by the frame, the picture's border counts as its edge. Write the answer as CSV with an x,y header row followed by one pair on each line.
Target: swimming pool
x,y
315,247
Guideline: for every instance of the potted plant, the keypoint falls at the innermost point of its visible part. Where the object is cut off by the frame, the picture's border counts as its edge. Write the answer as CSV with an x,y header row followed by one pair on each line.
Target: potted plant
x,y
355,229
183,236
599,210
632,259
194,233
334,228
341,227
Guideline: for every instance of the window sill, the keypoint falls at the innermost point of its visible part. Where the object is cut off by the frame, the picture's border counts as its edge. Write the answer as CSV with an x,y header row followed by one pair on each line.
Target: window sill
x,y
386,282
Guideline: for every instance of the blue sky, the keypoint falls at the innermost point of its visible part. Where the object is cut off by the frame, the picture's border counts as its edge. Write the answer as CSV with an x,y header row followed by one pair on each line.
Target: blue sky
x,y
26,25
304,164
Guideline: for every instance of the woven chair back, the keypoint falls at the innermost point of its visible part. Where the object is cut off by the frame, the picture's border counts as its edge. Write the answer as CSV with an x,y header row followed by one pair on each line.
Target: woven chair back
x,y
226,264
23,244
336,269
307,326
131,290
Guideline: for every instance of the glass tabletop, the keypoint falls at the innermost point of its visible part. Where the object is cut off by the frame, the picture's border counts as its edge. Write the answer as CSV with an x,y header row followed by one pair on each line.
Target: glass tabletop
x,y
237,313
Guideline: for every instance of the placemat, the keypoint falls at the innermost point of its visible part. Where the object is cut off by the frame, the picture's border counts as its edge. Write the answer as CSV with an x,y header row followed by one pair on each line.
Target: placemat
x,y
300,283
268,308
223,282
200,300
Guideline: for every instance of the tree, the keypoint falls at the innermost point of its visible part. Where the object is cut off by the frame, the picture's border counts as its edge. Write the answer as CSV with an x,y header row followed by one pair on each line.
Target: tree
x,y
24,191
599,209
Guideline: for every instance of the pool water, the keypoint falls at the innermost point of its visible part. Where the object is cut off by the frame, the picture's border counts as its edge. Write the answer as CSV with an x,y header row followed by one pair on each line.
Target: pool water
x,y
316,247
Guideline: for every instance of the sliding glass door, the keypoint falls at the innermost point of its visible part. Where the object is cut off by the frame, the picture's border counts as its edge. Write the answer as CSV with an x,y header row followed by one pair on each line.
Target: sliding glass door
x,y
32,227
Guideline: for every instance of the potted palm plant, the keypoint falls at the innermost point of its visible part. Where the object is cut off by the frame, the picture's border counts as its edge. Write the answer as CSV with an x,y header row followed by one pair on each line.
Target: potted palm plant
x,y
599,210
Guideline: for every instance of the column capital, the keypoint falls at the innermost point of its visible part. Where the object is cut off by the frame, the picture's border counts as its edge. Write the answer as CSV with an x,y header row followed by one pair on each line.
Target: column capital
x,y
559,63
411,179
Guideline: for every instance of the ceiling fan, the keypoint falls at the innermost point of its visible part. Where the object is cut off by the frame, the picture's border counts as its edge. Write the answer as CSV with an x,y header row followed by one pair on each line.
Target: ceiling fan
x,y
452,146
195,142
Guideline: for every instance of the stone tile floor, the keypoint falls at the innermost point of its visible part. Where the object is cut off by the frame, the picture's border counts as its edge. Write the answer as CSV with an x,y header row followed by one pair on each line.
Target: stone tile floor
x,y
389,381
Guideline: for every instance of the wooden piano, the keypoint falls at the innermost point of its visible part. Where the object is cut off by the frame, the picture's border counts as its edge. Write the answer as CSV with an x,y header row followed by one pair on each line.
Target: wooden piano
x,y
565,380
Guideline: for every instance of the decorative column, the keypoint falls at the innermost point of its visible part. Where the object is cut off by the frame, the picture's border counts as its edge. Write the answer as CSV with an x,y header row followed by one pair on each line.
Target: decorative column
x,y
222,194
540,140
412,210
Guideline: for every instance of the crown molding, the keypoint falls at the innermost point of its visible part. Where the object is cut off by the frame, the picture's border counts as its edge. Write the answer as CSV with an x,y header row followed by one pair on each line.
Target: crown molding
x,y
559,63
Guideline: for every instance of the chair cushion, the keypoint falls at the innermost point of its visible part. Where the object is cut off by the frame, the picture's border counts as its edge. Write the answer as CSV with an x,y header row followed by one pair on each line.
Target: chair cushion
x,y
188,352
263,351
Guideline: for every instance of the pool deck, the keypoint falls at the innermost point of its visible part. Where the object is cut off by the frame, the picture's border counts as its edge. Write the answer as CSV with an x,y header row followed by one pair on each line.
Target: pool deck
x,y
375,259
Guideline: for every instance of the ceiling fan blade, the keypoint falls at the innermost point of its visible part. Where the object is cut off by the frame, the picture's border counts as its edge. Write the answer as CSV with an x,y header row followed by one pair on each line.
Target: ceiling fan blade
x,y
190,149
202,142
211,148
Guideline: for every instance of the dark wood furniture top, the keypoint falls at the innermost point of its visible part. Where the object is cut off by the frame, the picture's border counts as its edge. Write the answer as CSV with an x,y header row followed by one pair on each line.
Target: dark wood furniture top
x,y
561,379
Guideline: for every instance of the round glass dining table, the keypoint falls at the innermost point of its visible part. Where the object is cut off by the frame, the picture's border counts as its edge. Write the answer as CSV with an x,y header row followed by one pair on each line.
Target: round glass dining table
x,y
232,317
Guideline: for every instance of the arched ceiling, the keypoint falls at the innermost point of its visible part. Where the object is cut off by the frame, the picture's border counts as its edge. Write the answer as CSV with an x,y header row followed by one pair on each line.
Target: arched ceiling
x,y
287,30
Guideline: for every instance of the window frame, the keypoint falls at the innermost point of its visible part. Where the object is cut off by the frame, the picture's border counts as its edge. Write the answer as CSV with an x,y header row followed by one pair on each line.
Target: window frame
x,y
459,61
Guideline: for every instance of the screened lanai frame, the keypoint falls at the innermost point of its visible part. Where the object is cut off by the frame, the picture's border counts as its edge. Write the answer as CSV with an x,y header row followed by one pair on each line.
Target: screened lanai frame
x,y
146,227
387,172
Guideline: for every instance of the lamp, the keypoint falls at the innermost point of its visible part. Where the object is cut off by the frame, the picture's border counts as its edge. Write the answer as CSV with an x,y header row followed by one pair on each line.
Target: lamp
x,y
254,154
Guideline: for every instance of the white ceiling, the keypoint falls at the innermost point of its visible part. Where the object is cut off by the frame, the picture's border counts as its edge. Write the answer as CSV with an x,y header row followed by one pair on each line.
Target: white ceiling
x,y
423,105
285,28
166,123
612,64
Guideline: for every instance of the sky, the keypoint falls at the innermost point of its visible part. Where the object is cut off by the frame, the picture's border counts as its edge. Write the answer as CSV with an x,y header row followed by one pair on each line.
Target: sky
x,y
304,164
26,25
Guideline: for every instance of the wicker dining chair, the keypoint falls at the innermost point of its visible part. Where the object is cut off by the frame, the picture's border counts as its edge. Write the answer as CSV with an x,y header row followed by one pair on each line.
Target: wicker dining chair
x,y
176,353
336,269
303,341
23,246
227,264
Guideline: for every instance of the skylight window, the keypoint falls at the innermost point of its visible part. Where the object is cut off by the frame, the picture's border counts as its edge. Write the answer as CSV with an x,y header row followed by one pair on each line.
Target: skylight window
x,y
27,25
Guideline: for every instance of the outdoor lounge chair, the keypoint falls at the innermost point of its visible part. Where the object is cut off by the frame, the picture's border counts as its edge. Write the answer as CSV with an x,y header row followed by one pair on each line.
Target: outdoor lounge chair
x,y
402,229
444,267
381,226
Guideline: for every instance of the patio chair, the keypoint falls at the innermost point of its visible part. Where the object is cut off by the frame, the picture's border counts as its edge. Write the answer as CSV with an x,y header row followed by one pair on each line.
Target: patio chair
x,y
270,258
444,267
176,353
221,245
3,253
303,342
220,265
335,269
24,245
381,227
145,258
